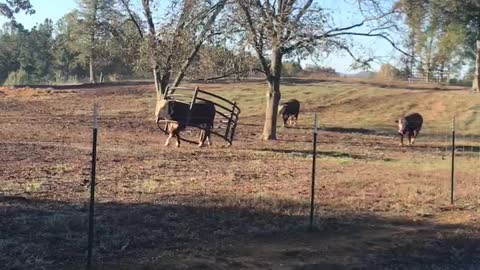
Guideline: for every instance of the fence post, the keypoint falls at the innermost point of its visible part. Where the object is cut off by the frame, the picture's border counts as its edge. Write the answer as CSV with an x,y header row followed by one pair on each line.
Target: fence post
x,y
192,102
92,188
452,177
312,199
231,125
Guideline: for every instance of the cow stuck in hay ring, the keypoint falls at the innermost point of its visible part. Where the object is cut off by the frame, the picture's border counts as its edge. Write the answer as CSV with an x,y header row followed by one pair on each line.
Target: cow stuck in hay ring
x,y
180,108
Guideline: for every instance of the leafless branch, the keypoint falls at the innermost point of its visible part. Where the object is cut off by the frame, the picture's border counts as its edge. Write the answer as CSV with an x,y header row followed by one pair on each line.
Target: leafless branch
x,y
132,17
257,39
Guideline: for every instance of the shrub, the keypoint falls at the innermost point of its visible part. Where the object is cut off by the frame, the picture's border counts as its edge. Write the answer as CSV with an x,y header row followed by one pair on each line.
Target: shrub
x,y
388,72
19,77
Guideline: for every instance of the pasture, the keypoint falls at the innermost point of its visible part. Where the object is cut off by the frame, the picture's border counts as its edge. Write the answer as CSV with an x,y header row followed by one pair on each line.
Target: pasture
x,y
379,206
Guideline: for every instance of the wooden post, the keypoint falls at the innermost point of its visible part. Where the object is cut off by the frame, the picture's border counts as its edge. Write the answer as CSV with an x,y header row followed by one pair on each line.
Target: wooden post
x,y
476,81
312,199
92,189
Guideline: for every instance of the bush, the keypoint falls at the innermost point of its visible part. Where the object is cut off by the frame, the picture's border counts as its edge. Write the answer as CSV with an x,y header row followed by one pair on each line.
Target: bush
x,y
19,77
388,72
460,82
320,71
290,69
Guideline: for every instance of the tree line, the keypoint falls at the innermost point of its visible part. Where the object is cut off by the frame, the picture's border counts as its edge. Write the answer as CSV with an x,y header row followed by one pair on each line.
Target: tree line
x,y
103,38
441,35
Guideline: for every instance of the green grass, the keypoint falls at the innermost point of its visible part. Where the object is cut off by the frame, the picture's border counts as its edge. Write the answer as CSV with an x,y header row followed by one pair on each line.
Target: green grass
x,y
364,105
33,186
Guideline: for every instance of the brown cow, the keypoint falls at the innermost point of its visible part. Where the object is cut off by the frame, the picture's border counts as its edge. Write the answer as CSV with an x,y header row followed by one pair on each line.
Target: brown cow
x,y
410,126
289,110
202,116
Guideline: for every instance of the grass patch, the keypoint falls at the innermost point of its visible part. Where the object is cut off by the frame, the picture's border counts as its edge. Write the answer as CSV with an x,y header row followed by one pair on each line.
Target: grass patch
x,y
33,186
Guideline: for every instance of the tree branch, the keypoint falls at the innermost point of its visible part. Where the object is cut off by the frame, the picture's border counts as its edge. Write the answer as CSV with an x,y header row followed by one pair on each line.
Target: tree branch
x,y
257,44
383,36
134,20
224,75
199,42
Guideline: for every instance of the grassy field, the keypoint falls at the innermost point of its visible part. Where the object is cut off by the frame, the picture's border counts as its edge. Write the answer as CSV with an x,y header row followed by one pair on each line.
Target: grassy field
x,y
379,205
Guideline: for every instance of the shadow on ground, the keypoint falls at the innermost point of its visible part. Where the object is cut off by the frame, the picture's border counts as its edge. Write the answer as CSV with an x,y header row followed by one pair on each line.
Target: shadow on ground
x,y
224,233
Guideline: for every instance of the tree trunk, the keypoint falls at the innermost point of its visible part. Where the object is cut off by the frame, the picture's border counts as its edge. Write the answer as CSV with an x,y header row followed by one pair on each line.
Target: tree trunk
x,y
157,85
476,82
93,29
92,73
273,96
273,99
152,44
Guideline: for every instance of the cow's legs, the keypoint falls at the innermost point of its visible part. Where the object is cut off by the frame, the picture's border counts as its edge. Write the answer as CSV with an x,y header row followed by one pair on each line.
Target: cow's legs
x,y
296,118
286,120
166,127
170,135
205,136
208,138
173,130
415,133
177,135
202,138
410,135
401,140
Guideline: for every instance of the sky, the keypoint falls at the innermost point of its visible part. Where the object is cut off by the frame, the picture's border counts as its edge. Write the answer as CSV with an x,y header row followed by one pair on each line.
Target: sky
x,y
343,13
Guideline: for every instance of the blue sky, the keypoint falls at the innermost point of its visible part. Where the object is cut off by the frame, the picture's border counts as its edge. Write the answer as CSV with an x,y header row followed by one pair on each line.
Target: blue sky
x,y
342,12
51,9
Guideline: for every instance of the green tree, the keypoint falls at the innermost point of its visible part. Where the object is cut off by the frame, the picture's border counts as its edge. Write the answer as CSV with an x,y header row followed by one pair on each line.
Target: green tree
x,y
28,51
443,33
9,53
66,48
10,7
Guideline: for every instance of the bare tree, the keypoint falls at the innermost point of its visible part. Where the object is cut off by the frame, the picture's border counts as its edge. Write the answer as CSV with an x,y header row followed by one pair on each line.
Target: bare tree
x,y
281,28
175,40
214,62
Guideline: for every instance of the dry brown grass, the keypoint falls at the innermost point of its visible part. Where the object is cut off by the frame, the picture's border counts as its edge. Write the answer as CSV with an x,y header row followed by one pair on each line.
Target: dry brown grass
x,y
245,207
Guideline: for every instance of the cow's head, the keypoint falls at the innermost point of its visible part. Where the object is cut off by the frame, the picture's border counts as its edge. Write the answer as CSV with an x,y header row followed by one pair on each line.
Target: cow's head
x,y
162,108
402,125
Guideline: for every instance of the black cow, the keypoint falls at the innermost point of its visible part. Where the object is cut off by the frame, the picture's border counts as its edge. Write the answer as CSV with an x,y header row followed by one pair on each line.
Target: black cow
x,y
410,126
202,116
289,110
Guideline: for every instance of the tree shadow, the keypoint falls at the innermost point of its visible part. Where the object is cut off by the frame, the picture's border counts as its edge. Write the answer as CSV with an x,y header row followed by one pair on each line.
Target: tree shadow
x,y
358,131
223,233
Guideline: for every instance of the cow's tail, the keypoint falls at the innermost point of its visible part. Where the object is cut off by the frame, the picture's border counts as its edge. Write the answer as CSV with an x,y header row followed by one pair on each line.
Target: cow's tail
x,y
281,109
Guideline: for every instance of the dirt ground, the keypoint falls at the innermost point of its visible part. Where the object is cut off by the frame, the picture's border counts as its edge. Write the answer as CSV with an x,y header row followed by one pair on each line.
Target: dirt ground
x,y
378,205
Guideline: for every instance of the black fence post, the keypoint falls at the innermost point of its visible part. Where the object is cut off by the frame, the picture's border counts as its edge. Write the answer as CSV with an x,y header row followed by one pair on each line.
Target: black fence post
x,y
452,177
312,199
192,103
92,189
